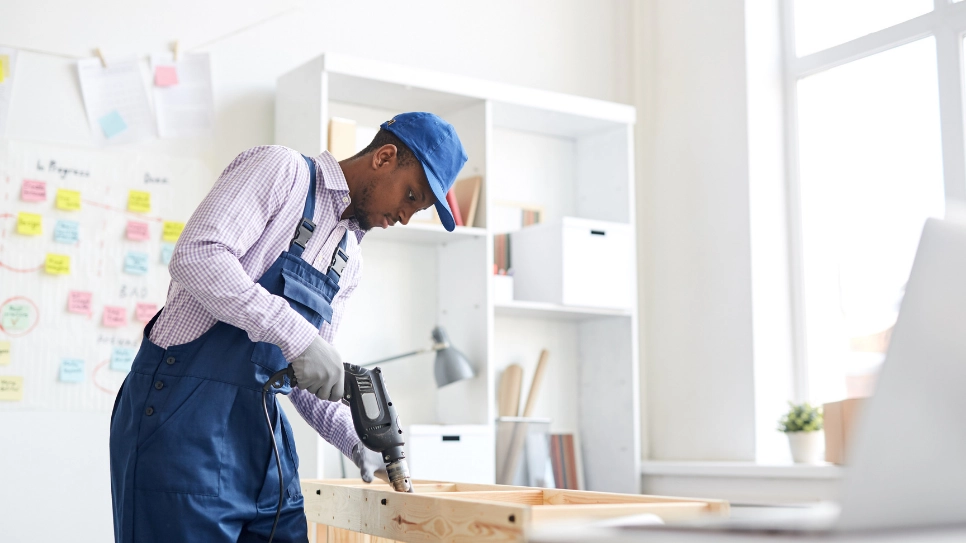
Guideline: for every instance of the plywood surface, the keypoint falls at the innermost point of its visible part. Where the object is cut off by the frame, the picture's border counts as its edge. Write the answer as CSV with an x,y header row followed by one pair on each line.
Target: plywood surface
x,y
350,511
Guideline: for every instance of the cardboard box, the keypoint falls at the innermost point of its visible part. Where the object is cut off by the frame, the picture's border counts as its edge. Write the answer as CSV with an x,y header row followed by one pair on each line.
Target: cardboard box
x,y
840,419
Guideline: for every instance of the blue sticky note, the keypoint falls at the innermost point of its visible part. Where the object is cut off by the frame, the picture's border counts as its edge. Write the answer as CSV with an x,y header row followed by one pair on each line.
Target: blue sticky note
x,y
136,263
122,358
71,370
167,249
67,232
112,124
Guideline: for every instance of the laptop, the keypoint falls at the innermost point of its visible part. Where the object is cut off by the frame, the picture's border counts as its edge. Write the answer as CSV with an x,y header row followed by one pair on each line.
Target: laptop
x,y
907,466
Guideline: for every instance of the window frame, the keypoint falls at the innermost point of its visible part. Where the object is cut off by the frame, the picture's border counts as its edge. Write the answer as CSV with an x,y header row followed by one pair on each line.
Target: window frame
x,y
947,24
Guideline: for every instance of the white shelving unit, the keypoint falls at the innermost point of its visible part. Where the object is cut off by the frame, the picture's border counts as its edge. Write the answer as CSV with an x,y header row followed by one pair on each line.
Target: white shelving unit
x,y
571,155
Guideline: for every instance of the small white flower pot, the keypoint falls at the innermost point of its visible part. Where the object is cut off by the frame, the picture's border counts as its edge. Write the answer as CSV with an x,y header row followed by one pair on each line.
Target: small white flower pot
x,y
807,447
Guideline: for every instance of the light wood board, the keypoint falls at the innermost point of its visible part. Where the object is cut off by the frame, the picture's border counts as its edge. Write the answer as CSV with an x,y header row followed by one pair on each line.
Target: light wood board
x,y
350,511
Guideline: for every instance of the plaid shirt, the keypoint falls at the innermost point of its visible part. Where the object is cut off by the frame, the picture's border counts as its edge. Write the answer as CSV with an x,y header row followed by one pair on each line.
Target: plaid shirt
x,y
234,236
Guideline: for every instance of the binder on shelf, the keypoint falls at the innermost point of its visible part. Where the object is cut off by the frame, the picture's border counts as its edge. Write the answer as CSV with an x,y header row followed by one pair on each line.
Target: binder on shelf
x,y
454,207
563,458
501,254
468,197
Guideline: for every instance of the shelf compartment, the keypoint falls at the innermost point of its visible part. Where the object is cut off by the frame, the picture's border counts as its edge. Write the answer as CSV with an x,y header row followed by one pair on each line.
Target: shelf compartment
x,y
541,310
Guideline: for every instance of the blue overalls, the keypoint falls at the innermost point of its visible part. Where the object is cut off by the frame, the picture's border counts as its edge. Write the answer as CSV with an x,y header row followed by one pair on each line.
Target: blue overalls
x,y
191,455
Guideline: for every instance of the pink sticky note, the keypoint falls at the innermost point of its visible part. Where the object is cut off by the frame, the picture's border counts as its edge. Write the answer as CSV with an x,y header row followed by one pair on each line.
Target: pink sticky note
x,y
137,230
114,317
79,302
165,76
33,191
144,311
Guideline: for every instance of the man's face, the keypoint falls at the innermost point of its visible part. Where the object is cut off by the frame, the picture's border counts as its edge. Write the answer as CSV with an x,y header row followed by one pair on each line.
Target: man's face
x,y
392,193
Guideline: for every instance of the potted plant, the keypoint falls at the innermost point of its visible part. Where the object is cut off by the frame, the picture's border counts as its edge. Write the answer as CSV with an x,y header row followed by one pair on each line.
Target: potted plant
x,y
802,424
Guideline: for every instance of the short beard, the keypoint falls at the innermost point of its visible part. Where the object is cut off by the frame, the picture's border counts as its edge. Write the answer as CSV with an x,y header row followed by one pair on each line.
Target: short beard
x,y
362,208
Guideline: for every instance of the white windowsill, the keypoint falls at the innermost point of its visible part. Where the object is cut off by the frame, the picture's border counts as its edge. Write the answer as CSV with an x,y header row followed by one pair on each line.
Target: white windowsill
x,y
741,469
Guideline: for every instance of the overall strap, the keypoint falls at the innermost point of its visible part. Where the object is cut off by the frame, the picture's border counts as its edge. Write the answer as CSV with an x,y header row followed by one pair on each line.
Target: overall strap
x,y
339,259
306,227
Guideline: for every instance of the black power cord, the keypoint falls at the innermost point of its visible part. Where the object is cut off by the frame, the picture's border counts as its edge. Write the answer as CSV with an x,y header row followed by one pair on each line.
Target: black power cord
x,y
277,381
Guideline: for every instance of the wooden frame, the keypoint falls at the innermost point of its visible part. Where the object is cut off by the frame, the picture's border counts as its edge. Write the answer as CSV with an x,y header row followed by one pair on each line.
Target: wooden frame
x,y
350,511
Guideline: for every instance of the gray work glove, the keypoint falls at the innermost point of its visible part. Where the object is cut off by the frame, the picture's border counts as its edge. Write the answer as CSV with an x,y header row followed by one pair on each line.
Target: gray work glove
x,y
319,370
369,463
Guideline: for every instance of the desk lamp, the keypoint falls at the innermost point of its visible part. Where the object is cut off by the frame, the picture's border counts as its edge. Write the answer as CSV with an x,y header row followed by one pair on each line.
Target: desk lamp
x,y
451,365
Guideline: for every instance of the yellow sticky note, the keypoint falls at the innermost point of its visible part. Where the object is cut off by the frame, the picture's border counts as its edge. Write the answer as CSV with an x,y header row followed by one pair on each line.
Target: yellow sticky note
x,y
4,353
57,264
68,199
4,67
11,388
172,230
29,224
139,201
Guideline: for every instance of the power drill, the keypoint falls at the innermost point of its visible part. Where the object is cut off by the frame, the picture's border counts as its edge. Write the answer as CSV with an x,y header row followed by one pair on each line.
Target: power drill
x,y
376,421
373,416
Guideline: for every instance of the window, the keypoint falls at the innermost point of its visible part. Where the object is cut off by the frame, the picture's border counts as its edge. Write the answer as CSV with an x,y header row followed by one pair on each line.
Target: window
x,y
820,24
868,123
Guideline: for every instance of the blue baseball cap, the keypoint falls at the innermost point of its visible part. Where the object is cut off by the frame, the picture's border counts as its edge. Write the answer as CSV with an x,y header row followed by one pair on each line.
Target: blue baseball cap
x,y
438,149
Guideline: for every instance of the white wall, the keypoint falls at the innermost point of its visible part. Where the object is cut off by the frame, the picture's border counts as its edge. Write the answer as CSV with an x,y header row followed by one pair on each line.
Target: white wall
x,y
58,462
696,248
716,326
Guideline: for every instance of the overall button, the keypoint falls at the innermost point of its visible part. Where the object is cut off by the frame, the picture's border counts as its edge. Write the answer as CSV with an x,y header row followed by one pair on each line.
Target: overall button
x,y
159,385
170,360
149,411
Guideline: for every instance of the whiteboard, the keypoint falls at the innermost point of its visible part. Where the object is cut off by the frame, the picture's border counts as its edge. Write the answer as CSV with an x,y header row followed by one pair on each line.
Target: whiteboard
x,y
34,319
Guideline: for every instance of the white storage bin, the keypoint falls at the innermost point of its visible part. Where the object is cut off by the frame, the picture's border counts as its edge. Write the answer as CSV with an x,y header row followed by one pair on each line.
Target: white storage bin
x,y
502,289
456,453
578,262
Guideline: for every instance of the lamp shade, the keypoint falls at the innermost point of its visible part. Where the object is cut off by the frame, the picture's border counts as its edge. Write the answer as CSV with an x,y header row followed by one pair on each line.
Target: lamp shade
x,y
451,365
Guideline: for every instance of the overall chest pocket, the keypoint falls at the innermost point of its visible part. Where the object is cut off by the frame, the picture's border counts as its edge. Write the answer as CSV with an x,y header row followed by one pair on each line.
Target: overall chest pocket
x,y
307,299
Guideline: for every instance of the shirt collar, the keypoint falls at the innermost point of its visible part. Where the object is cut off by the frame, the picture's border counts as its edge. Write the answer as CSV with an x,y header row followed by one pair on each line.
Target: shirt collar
x,y
332,174
333,179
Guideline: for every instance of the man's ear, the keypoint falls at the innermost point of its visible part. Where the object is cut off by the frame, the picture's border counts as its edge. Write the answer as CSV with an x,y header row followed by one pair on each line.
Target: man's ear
x,y
384,156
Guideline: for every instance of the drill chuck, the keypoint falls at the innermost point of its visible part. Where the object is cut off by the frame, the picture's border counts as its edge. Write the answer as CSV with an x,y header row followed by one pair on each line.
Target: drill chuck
x,y
399,476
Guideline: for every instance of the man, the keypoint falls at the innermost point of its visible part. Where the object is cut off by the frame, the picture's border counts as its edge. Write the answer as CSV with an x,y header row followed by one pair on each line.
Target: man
x,y
191,451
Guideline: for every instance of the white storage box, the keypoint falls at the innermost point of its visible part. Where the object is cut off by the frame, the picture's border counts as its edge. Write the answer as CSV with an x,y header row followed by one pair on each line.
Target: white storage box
x,y
457,453
577,262
502,289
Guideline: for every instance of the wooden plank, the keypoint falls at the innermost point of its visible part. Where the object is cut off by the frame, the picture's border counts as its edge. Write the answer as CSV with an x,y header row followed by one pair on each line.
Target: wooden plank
x,y
343,536
667,511
429,519
413,518
585,497
479,487
527,497
338,535
418,486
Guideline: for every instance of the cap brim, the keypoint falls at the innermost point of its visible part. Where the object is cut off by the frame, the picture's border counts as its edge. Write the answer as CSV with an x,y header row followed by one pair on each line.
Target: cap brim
x,y
442,206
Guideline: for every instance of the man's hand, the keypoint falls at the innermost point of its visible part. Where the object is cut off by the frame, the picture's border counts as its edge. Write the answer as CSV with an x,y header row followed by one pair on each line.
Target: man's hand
x,y
319,370
369,463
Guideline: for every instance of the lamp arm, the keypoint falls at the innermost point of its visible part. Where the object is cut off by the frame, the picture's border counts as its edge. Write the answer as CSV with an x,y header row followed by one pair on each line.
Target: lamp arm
x,y
413,353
